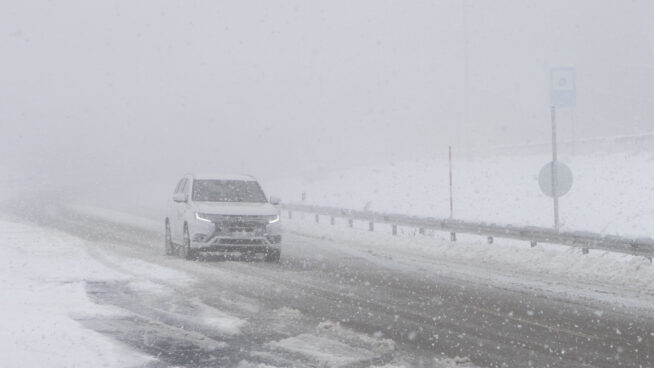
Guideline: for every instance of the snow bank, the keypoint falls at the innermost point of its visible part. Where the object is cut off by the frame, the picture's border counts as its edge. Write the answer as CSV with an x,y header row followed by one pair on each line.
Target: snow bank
x,y
612,193
608,277
42,277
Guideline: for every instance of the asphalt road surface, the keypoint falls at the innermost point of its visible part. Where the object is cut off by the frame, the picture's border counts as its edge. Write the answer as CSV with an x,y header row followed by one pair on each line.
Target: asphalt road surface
x,y
426,314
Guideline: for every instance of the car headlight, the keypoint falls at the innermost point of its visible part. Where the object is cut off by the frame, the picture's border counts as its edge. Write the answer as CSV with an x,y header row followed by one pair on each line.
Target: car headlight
x,y
198,216
273,219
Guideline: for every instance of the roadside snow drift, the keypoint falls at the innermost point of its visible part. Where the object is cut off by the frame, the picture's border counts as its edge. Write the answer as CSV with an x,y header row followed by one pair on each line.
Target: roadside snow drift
x,y
611,194
43,275
619,279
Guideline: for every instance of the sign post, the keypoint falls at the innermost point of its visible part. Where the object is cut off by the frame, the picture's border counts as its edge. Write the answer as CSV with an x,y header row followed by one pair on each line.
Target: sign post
x,y
451,198
556,178
555,187
452,234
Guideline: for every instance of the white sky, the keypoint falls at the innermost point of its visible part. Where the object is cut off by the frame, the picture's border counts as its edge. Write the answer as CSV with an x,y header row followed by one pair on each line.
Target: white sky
x,y
112,88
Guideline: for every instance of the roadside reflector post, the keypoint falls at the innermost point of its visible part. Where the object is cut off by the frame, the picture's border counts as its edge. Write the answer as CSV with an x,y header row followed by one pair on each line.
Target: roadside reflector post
x,y
490,240
555,177
371,226
350,222
449,158
533,243
394,229
451,195
332,220
317,218
585,250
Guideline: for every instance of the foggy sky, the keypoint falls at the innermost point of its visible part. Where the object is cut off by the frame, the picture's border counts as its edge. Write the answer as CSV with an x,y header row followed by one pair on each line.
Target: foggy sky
x,y
115,89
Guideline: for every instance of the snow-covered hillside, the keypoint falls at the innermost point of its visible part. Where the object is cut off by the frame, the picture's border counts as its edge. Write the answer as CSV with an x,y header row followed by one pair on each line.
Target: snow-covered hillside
x,y
612,193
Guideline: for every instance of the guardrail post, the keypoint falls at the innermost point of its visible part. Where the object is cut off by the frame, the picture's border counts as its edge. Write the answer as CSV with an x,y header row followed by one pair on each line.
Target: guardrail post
x,y
533,243
584,251
394,229
421,231
371,226
317,218
453,236
350,222
332,220
490,240
290,215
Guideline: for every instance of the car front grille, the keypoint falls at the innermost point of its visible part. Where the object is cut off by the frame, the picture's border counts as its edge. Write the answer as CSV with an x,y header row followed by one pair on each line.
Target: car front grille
x,y
226,225
241,226
236,220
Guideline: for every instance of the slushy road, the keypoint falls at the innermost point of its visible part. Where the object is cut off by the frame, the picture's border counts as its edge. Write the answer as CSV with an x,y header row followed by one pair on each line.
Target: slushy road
x,y
426,314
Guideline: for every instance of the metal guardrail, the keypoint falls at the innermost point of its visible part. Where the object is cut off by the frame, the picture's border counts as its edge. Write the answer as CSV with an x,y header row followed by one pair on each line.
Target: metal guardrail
x,y
582,239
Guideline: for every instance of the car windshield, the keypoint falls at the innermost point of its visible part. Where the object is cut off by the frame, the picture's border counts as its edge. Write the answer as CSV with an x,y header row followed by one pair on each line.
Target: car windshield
x,y
228,191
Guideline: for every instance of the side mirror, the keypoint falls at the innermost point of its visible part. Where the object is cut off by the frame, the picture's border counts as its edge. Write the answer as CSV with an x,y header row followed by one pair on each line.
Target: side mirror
x,y
180,197
275,200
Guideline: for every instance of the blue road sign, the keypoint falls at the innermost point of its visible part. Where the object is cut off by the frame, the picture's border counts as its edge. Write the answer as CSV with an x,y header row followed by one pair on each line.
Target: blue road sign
x,y
563,88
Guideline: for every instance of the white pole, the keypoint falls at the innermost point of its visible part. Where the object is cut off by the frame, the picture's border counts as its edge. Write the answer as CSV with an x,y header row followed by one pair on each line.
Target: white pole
x,y
451,197
452,234
555,191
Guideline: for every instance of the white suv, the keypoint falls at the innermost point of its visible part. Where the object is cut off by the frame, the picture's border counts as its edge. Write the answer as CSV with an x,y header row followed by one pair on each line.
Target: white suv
x,y
222,213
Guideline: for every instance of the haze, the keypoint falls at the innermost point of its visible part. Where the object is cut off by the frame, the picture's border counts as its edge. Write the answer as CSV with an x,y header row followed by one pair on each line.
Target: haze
x,y
260,183
99,91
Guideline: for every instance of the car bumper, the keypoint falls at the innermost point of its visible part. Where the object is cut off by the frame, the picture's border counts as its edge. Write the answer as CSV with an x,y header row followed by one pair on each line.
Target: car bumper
x,y
217,241
225,248
213,237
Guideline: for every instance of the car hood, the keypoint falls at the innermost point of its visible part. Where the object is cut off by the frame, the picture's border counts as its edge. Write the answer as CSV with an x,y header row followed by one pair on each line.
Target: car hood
x,y
236,208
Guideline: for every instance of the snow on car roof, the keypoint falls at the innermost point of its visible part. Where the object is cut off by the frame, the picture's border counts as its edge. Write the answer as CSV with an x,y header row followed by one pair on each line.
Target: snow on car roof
x,y
223,177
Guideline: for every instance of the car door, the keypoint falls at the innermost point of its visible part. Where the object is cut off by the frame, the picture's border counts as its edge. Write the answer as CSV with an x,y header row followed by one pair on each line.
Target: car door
x,y
170,209
180,211
173,212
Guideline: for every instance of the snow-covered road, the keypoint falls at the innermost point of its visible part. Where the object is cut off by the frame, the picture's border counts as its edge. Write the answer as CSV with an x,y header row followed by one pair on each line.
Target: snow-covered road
x,y
346,300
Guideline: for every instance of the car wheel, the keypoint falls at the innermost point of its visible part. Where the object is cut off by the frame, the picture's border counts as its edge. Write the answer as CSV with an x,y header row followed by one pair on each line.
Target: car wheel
x,y
168,240
185,249
273,255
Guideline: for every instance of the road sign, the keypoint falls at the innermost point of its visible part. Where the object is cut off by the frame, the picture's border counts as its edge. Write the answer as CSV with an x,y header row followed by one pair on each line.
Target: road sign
x,y
563,179
563,87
